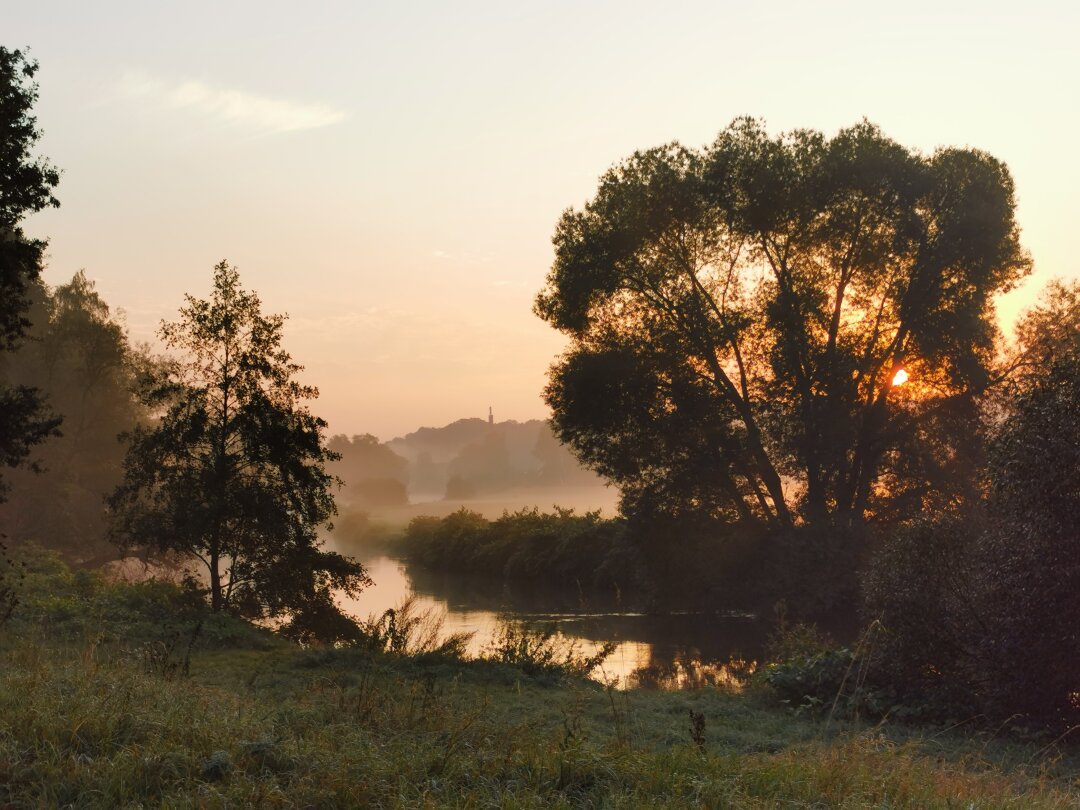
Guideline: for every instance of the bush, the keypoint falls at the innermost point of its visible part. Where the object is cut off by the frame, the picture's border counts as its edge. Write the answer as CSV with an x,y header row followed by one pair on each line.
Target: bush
x,y
919,589
405,631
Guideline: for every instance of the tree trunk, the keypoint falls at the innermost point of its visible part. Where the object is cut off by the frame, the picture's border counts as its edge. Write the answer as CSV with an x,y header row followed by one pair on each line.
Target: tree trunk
x,y
216,601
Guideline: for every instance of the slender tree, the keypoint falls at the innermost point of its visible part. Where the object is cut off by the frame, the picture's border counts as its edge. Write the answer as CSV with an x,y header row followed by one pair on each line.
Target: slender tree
x,y
234,472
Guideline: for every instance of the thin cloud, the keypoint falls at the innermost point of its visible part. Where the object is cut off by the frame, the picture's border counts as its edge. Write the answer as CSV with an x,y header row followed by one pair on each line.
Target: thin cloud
x,y
229,106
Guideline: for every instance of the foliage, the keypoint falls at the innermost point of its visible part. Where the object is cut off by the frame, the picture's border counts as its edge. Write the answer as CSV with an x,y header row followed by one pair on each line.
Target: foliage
x,y
80,358
24,423
560,546
919,589
977,606
810,681
1027,566
26,186
860,682
405,631
233,474
737,315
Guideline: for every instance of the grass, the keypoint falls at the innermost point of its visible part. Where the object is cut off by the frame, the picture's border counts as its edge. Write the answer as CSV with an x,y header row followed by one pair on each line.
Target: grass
x,y
91,716
90,726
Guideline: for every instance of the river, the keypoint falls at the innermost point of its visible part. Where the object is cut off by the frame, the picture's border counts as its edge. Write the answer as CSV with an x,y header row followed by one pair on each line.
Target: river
x,y
673,648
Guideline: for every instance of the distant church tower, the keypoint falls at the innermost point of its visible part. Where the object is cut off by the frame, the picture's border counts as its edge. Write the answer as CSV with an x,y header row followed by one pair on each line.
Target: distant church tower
x,y
491,416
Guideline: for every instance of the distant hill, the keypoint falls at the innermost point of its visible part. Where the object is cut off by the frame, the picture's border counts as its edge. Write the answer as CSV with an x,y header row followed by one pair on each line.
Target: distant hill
x,y
443,443
467,460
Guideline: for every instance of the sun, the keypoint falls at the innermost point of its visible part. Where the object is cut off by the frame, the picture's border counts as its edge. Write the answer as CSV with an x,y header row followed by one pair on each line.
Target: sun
x,y
900,377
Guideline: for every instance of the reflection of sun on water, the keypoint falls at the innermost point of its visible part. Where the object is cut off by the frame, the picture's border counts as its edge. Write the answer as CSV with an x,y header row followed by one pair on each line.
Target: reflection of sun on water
x,y
687,672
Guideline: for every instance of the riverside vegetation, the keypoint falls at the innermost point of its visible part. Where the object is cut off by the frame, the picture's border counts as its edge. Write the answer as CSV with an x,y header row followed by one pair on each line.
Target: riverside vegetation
x,y
134,694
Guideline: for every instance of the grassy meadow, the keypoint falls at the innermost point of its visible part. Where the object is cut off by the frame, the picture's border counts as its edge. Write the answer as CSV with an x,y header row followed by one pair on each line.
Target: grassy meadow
x,y
109,697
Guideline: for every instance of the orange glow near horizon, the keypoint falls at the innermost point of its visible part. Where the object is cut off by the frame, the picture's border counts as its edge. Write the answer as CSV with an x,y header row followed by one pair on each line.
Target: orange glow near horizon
x,y
900,377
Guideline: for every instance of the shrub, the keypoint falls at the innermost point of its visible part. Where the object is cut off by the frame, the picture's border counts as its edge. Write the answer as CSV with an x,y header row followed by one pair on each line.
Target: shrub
x,y
919,589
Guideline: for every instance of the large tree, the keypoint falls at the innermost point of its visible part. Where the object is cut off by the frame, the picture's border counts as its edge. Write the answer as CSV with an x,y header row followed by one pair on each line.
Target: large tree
x,y
738,316
234,473
26,186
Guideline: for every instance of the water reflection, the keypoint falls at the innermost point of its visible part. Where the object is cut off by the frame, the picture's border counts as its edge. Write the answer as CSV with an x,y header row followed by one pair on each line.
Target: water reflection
x,y
669,649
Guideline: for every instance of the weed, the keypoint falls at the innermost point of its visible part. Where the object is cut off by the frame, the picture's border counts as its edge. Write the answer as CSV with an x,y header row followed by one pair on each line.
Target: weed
x,y
404,631
697,729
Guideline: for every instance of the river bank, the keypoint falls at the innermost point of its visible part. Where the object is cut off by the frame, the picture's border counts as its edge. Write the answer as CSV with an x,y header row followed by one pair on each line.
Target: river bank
x,y
84,727
111,695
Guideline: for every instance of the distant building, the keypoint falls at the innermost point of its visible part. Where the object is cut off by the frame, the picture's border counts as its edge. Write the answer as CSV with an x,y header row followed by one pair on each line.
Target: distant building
x,y
491,416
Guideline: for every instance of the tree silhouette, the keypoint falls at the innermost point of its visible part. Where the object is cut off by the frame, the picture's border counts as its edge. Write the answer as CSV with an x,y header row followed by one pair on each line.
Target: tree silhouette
x,y
26,185
234,472
738,315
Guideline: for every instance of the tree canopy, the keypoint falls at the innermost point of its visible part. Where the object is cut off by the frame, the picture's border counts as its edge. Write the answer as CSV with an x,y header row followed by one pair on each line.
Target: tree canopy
x,y
738,315
234,473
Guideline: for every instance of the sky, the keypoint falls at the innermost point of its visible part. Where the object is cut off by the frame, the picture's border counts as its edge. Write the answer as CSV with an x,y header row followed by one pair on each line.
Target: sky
x,y
390,174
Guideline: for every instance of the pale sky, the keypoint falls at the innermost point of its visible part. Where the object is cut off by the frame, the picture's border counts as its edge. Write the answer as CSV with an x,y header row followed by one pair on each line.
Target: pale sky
x,y
391,174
